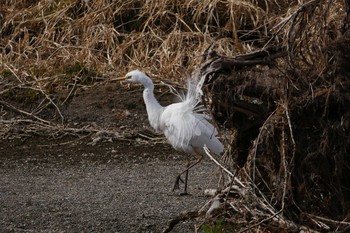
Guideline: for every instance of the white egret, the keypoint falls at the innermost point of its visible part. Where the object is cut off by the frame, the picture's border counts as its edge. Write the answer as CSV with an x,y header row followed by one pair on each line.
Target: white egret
x,y
183,124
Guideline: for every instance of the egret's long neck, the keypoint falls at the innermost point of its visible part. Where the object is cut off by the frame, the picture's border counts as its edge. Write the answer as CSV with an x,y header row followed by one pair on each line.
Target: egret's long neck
x,y
154,109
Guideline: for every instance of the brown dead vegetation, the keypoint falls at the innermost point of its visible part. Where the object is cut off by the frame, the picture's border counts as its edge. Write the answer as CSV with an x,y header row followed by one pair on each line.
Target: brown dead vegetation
x,y
276,76
288,109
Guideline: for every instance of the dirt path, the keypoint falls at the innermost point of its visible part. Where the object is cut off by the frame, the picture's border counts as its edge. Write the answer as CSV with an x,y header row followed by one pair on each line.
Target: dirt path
x,y
110,187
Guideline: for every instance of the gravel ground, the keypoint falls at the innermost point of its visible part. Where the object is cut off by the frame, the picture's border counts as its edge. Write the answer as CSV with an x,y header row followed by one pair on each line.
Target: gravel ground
x,y
117,186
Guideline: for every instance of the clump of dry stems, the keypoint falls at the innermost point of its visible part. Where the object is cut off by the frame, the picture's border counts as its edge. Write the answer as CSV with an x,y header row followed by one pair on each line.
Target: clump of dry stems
x,y
286,106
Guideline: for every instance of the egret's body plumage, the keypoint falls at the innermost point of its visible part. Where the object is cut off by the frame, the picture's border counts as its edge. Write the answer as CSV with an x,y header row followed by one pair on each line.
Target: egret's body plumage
x,y
183,124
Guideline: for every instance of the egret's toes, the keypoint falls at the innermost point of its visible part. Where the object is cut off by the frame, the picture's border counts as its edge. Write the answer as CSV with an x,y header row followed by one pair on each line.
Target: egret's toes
x,y
185,194
177,183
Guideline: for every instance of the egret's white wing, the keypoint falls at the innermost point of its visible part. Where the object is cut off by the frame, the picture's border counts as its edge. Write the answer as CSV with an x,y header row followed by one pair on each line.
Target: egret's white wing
x,y
187,130
208,135
179,126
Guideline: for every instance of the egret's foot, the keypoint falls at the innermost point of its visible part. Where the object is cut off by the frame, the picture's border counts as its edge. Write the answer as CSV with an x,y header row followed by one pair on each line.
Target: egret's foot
x,y
177,183
185,194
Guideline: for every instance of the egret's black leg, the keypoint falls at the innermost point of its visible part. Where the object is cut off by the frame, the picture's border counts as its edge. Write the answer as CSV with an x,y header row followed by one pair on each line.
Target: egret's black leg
x,y
186,178
188,167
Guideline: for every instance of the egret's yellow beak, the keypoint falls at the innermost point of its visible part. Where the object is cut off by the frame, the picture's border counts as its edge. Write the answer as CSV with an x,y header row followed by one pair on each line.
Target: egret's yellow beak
x,y
119,79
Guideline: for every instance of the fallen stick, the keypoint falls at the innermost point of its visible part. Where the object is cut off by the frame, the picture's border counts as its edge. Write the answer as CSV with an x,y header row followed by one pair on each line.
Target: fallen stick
x,y
222,167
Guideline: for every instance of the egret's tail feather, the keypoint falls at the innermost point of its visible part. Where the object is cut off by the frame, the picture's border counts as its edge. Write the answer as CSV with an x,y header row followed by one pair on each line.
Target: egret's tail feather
x,y
194,94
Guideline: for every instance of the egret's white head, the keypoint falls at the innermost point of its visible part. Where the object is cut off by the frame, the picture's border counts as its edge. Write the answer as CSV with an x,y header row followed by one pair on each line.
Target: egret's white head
x,y
134,76
137,76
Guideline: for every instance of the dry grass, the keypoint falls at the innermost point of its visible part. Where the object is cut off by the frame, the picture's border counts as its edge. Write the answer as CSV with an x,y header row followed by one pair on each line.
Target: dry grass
x,y
49,45
43,38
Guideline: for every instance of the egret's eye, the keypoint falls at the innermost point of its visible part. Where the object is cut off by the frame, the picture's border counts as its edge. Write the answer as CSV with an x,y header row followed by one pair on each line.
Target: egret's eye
x,y
128,77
